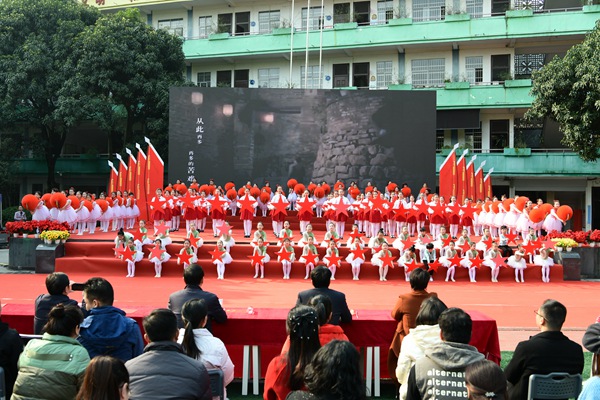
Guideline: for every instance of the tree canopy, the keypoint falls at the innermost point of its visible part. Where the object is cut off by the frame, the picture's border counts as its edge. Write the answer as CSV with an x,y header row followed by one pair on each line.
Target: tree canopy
x,y
568,90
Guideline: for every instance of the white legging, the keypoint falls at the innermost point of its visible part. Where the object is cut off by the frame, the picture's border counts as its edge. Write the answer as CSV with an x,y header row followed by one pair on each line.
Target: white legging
x,y
287,268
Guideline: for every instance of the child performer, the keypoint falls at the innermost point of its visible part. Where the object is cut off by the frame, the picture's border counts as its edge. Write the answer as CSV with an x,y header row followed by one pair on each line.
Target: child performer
x,y
429,256
407,257
332,250
287,264
309,247
158,261
228,240
195,233
247,215
306,235
467,263
261,250
225,259
490,254
355,262
145,239
518,263
445,260
376,260
136,257
259,234
286,232
545,262
188,249
330,236
165,238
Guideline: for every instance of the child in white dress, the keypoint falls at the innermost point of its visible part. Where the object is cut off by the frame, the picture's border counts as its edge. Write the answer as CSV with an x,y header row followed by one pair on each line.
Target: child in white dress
x,y
467,263
543,259
287,264
158,261
445,260
517,262
355,262
225,259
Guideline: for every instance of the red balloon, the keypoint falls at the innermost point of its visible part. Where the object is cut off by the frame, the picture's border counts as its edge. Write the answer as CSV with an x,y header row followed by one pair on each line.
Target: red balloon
x,y
537,215
564,213
74,202
231,194
299,189
292,183
58,200
30,202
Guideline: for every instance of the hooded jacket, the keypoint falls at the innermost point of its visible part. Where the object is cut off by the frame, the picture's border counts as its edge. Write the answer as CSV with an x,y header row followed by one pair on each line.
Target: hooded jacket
x,y
107,331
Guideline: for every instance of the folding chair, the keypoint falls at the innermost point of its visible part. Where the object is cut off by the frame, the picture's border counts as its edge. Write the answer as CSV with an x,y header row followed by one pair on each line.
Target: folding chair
x,y
216,384
557,385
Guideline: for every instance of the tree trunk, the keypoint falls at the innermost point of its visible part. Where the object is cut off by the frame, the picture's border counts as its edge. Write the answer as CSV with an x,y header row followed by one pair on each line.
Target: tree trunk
x,y
54,144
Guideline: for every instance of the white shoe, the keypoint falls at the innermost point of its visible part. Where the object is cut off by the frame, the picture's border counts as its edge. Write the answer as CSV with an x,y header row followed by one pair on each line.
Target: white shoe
x,y
306,277
262,277
381,279
517,280
333,278
255,276
453,280
446,279
384,279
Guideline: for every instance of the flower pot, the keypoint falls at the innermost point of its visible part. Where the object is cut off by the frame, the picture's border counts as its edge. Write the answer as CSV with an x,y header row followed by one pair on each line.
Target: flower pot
x,y
63,240
15,235
569,248
57,241
592,244
25,235
47,241
558,248
37,236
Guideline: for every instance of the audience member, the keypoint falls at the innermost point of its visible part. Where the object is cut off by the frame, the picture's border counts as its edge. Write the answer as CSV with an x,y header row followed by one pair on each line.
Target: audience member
x,y
193,276
485,381
106,330
51,368
164,372
199,343
20,215
405,312
321,278
106,378
546,352
424,336
591,341
11,347
286,371
59,287
446,360
334,373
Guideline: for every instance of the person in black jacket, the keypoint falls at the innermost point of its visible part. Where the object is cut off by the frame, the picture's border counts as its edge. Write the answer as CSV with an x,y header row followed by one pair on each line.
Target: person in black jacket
x,y
59,287
321,277
548,351
193,276
11,347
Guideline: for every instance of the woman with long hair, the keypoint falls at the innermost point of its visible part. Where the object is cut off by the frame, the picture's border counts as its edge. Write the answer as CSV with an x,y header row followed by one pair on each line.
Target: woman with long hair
x,y
286,371
106,378
199,343
485,380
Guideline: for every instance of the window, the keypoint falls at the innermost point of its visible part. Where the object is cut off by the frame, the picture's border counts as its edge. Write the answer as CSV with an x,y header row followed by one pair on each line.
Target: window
x,y
204,26
499,7
174,26
360,75
241,78
527,64
315,20
384,74
203,79
429,10
498,133
474,69
362,12
268,77
429,72
475,8
267,21
473,137
341,13
341,75
385,11
223,78
529,133
439,139
501,67
313,78
242,23
224,22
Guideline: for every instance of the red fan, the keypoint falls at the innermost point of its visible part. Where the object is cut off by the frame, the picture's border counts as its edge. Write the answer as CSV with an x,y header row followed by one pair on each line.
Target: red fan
x,y
47,199
231,194
391,187
242,191
354,192
204,188
267,188
169,188
369,189
292,183
495,206
88,204
564,213
299,189
58,200
520,202
264,197
74,202
311,188
319,192
229,185
29,202
326,188
339,185
506,203
181,188
547,207
537,215
211,189
103,204
255,192
406,191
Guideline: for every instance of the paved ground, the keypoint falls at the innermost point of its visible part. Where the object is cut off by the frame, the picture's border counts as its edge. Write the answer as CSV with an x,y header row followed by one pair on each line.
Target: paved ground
x,y
4,264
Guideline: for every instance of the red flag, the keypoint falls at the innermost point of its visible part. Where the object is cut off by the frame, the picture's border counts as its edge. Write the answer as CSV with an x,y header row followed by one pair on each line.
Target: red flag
x,y
471,178
461,178
479,192
131,172
448,175
114,176
122,184
140,178
487,184
155,169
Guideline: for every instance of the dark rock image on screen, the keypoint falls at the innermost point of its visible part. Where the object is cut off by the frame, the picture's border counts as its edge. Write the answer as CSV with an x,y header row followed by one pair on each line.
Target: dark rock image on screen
x,y
310,135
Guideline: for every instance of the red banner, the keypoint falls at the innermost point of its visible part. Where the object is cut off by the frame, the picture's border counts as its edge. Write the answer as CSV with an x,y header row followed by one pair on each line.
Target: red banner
x,y
131,172
487,184
471,178
461,178
479,191
122,183
140,178
114,177
448,175
155,170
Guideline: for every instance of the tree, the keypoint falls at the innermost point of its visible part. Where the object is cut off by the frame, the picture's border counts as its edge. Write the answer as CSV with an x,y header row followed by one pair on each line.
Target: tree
x,y
127,66
35,62
568,90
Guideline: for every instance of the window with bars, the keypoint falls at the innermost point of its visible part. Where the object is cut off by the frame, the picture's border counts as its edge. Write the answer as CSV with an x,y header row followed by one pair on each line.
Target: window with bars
x,y
439,139
527,64
529,4
475,8
429,72
429,10
341,13
174,26
385,11
473,137
383,70
203,79
205,26
268,20
474,69
268,77
313,77
315,20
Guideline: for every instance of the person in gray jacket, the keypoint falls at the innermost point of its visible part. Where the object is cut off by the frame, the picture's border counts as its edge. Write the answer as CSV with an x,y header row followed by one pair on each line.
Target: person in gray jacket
x,y
163,371
440,374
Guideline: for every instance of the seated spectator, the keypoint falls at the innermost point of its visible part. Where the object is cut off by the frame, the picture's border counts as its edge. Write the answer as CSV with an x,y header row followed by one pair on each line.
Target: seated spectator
x,y
547,352
327,331
164,371
485,380
197,341
448,360
51,368
591,341
286,371
106,330
59,287
405,312
425,335
334,373
106,378
193,276
11,347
